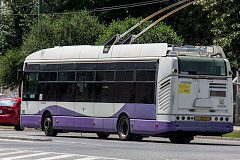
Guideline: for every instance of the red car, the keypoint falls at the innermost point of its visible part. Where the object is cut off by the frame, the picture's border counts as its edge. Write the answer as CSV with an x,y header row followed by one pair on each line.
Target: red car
x,y
10,112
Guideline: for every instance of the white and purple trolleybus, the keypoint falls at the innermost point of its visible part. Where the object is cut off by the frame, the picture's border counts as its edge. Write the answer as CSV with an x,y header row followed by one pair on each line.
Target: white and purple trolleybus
x,y
133,90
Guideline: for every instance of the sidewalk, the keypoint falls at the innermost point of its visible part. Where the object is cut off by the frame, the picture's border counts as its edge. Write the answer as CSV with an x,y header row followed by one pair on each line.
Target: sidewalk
x,y
236,128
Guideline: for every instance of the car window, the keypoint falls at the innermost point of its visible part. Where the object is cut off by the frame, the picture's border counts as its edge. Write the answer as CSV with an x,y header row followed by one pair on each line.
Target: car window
x,y
8,102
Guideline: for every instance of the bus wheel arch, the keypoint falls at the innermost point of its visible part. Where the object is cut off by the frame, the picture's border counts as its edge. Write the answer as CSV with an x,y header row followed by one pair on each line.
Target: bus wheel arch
x,y
47,124
124,127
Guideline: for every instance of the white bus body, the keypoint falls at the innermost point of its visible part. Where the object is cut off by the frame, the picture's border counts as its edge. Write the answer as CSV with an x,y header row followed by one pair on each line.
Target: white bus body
x,y
178,92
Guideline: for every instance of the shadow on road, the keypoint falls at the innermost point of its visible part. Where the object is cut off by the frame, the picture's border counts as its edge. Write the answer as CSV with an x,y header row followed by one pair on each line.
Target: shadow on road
x,y
147,140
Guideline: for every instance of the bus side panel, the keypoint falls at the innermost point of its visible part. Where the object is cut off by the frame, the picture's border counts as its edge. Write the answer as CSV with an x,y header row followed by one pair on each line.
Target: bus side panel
x,y
146,127
145,111
139,111
30,121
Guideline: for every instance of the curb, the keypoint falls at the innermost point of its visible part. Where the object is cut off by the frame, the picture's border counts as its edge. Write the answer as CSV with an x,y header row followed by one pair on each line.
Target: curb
x,y
26,138
219,138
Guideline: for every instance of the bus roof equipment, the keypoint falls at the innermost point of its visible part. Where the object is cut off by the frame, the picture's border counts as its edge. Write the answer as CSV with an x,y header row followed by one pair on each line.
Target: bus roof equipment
x,y
131,38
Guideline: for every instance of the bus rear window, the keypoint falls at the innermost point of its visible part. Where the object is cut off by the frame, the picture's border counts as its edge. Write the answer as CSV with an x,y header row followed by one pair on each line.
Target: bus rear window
x,y
202,66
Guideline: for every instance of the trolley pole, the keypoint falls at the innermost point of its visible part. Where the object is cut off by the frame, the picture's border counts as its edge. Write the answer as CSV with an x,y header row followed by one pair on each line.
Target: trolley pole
x,y
39,10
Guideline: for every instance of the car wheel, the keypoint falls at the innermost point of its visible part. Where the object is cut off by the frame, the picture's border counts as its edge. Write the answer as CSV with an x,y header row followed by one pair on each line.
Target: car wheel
x,y
18,127
123,128
103,135
48,126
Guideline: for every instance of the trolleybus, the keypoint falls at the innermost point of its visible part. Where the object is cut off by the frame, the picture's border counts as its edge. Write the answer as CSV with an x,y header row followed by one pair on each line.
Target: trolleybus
x,y
133,90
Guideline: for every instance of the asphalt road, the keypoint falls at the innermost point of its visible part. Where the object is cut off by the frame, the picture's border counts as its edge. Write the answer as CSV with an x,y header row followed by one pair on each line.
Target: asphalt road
x,y
34,145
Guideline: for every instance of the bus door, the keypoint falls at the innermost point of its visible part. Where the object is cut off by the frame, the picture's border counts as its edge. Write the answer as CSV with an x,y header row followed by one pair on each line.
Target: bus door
x,y
30,96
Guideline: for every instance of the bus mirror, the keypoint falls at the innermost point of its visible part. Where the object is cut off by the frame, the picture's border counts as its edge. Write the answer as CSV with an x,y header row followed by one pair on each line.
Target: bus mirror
x,y
20,75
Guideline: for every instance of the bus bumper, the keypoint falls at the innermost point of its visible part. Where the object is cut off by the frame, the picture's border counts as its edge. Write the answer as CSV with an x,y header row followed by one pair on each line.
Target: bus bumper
x,y
151,127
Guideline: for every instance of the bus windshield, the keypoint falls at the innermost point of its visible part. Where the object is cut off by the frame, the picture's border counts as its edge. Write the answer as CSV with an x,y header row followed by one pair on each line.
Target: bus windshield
x,y
202,66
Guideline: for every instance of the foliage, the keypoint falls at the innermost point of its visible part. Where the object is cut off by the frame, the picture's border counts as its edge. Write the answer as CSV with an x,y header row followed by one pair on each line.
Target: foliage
x,y
225,18
234,134
9,66
79,29
159,33
193,25
14,23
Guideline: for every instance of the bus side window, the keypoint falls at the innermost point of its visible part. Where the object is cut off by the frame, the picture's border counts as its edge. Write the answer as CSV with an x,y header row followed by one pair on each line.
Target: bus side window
x,y
30,88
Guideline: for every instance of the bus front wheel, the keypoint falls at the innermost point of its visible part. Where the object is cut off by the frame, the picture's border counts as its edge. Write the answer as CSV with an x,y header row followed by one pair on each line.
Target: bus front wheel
x,y
48,126
123,128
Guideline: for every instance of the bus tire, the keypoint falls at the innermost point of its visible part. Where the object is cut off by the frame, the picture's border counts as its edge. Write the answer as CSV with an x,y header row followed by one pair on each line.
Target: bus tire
x,y
185,139
123,128
48,126
103,135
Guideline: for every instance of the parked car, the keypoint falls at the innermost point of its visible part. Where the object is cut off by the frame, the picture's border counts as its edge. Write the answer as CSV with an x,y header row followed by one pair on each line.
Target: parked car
x,y
10,112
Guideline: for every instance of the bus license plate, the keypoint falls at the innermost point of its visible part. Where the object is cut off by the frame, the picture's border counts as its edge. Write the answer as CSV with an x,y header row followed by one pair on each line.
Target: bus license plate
x,y
203,118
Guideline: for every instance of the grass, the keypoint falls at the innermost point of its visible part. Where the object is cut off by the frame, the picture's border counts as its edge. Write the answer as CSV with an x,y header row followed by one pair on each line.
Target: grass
x,y
234,134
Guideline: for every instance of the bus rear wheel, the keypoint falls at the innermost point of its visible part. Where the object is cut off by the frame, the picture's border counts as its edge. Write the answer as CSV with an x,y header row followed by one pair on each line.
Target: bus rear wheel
x,y
184,139
48,126
103,135
123,128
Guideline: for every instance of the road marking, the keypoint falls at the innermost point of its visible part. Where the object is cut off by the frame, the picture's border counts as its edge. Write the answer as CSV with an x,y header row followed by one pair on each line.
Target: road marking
x,y
57,157
26,156
21,154
89,158
12,152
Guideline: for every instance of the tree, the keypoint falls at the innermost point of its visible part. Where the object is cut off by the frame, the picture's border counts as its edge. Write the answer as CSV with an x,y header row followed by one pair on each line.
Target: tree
x,y
9,66
193,25
159,33
63,30
225,18
81,29
14,23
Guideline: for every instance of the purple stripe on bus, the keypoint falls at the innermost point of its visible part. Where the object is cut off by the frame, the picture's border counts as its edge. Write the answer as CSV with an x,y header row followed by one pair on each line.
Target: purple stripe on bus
x,y
140,111
85,124
57,110
147,127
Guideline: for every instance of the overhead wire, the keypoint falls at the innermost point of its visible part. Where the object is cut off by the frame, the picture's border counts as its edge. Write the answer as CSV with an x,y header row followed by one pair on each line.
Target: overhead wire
x,y
132,5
